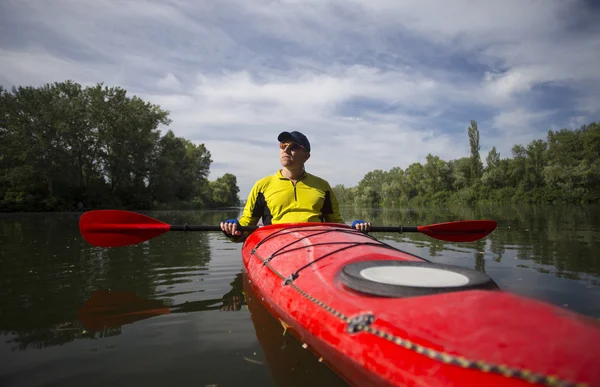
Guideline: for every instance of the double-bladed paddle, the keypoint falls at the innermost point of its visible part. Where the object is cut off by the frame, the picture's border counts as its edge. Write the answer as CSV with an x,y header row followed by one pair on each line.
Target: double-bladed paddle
x,y
113,228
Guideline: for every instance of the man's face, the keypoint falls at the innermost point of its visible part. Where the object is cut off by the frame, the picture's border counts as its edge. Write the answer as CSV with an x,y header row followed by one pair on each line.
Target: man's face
x,y
292,154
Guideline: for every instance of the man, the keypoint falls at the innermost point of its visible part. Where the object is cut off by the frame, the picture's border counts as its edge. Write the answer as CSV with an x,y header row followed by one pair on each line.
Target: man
x,y
290,195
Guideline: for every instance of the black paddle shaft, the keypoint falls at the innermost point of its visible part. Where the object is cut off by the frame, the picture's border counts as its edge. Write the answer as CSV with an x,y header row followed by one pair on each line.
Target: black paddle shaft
x,y
185,227
399,229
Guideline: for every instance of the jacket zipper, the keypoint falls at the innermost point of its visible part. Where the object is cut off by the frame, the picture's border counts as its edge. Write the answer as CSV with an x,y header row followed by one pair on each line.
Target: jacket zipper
x,y
295,197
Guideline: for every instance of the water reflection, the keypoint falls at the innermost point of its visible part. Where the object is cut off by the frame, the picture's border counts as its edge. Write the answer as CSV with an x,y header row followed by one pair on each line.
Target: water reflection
x,y
106,312
48,271
564,239
58,334
289,363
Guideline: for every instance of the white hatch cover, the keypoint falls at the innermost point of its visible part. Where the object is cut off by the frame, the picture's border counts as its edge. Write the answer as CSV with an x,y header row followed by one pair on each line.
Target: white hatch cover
x,y
396,278
426,277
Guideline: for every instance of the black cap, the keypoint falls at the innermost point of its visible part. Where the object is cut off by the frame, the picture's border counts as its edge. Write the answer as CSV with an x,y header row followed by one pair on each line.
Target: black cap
x,y
296,137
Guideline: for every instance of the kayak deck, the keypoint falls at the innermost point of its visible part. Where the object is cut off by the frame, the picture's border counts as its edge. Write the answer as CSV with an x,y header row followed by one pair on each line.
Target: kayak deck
x,y
471,337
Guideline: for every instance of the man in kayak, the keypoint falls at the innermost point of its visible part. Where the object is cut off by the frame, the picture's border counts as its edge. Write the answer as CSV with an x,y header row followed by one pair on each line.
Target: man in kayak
x,y
290,195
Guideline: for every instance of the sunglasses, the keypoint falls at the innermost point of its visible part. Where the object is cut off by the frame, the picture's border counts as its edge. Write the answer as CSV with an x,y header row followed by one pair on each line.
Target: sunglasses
x,y
292,146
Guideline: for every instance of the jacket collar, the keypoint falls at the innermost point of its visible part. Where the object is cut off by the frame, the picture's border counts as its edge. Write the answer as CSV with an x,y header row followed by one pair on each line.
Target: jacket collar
x,y
280,175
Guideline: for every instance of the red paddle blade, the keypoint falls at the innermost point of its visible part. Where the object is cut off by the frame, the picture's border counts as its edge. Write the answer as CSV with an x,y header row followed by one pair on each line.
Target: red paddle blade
x,y
113,228
461,231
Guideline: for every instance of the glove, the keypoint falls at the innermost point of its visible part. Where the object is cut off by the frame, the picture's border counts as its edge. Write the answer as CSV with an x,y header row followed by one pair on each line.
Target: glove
x,y
232,221
364,229
357,222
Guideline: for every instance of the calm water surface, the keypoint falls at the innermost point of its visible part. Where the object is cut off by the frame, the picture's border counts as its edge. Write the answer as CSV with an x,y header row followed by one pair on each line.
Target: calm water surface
x,y
202,326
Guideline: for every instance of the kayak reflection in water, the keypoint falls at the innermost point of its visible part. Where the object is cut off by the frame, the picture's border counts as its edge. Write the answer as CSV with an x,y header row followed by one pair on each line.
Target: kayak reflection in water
x,y
291,195
289,363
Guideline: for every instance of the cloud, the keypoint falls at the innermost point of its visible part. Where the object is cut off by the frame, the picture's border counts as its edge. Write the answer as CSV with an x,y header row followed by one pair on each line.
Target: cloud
x,y
374,84
517,127
169,83
513,121
506,85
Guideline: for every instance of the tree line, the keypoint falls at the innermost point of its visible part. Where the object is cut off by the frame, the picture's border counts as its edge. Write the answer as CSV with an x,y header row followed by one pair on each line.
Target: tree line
x,y
63,145
564,168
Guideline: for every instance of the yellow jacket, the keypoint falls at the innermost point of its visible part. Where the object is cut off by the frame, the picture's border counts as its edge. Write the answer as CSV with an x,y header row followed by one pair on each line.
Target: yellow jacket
x,y
276,199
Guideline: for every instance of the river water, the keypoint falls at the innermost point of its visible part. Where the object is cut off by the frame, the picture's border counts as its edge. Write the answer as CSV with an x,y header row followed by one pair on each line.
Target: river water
x,y
186,316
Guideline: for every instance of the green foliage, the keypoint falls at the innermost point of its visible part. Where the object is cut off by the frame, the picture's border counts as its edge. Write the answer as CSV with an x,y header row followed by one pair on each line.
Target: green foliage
x,y
460,170
370,188
61,144
476,166
178,170
564,168
496,172
225,191
343,194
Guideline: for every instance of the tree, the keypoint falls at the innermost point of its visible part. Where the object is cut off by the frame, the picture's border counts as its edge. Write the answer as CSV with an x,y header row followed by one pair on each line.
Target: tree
x,y
393,190
341,193
566,168
518,167
437,176
591,156
572,162
225,191
494,175
460,171
493,159
476,165
415,174
536,161
62,143
370,188
199,158
179,171
128,132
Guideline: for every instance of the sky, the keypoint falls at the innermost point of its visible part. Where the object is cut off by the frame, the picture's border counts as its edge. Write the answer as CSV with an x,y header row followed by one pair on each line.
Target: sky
x,y
373,84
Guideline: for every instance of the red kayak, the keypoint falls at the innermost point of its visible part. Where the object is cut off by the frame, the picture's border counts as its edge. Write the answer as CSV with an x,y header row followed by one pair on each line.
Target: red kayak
x,y
379,316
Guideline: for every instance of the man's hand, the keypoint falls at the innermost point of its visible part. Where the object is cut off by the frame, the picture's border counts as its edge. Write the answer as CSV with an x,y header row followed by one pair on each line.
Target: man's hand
x,y
361,225
230,227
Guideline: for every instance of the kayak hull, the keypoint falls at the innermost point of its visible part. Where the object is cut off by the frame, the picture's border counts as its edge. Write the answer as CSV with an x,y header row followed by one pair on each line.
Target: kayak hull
x,y
471,336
